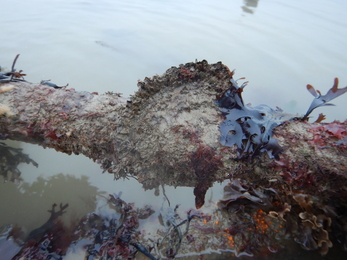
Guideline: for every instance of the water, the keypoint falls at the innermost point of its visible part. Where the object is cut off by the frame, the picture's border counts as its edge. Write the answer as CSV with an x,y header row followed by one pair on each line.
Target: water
x,y
279,46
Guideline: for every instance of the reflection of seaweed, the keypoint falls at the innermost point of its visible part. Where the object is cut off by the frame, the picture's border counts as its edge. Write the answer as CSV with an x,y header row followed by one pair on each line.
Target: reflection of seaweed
x,y
114,238
50,222
10,158
104,44
50,241
249,6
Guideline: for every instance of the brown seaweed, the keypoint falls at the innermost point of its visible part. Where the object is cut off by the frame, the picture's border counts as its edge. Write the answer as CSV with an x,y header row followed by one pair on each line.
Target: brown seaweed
x,y
238,196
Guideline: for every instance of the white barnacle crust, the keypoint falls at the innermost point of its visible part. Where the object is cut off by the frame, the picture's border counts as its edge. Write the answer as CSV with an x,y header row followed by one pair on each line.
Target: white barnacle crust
x,y
6,88
5,110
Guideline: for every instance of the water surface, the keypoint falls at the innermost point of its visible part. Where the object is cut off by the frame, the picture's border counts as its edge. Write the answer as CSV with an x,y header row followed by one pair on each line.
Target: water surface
x,y
279,46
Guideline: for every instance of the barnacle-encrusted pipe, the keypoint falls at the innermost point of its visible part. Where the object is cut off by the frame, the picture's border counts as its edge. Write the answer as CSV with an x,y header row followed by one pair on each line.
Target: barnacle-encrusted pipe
x,y
163,133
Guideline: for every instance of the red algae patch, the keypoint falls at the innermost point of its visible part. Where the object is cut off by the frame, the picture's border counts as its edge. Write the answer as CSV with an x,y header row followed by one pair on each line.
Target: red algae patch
x,y
329,134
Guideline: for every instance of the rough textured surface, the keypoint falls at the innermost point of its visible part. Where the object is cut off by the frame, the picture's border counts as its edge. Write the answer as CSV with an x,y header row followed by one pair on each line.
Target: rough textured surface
x,y
160,133
168,133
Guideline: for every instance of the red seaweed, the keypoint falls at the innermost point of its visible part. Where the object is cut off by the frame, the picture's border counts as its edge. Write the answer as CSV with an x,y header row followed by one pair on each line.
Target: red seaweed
x,y
330,134
204,162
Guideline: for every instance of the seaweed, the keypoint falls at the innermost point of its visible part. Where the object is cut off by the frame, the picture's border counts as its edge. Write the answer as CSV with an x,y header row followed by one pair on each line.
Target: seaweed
x,y
237,196
329,134
204,163
322,100
249,128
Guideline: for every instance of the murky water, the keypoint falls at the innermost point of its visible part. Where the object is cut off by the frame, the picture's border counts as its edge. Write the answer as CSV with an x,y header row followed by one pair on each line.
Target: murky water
x,y
279,46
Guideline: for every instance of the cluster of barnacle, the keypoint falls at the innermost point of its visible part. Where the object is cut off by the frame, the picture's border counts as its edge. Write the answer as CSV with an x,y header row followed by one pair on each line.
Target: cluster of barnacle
x,y
10,158
50,131
187,133
186,73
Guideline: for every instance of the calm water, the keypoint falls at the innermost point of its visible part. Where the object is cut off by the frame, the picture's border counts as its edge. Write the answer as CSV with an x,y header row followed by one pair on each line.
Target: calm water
x,y
278,45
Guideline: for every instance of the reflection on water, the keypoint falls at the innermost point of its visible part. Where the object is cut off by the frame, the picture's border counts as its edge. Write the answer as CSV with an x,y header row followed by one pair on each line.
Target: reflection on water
x,y
10,158
249,6
28,203
109,45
